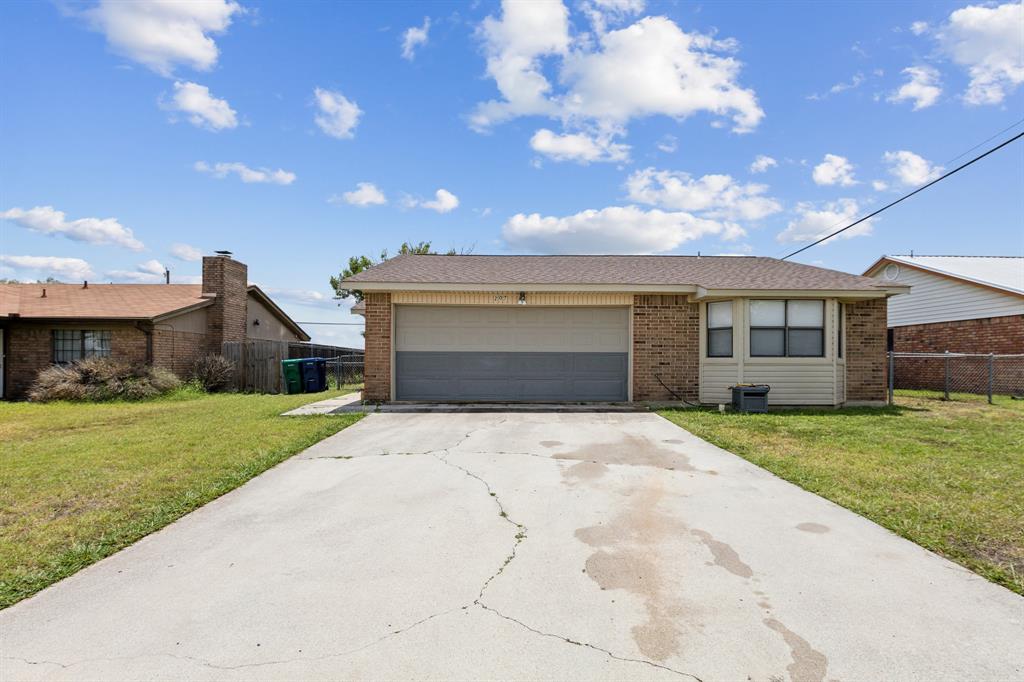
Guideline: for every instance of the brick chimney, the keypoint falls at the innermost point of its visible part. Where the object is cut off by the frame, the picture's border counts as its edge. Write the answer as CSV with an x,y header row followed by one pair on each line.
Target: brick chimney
x,y
226,318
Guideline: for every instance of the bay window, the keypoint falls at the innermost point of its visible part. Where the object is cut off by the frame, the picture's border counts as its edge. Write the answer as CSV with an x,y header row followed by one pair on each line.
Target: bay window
x,y
719,339
791,328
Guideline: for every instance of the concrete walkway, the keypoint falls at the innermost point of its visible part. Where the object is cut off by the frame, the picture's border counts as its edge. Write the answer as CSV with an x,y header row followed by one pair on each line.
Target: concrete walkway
x,y
518,546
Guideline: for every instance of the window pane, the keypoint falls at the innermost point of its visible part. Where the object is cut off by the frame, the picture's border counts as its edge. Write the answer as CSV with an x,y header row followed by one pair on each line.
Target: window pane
x,y
767,313
720,314
806,343
67,345
97,343
720,343
767,342
806,313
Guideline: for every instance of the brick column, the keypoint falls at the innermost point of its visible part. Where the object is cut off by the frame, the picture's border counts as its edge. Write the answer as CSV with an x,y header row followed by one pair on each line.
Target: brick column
x,y
227,317
866,366
665,343
377,367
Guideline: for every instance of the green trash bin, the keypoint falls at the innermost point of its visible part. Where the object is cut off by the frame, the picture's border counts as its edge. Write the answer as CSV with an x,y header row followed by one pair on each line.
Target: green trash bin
x,y
292,370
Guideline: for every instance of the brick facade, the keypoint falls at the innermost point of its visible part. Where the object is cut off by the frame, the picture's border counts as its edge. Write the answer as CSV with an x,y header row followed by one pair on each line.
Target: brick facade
x,y
866,366
30,349
377,344
227,318
178,350
666,344
1000,335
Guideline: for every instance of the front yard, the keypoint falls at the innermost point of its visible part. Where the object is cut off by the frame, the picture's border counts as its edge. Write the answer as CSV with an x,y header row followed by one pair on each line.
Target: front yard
x,y
946,475
81,481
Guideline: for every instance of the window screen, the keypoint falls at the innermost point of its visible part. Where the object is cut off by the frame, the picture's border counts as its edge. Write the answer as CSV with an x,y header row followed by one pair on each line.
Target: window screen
x,y
720,329
75,344
787,329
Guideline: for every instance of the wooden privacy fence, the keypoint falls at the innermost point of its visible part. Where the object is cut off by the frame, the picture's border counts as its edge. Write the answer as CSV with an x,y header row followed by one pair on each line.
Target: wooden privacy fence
x,y
257,364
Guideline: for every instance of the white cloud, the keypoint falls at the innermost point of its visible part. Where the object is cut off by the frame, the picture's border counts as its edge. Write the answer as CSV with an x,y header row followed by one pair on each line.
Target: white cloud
x,y
149,271
988,41
444,202
413,37
625,229
879,185
922,87
246,174
855,82
202,109
668,144
910,169
186,252
648,68
654,67
714,196
578,147
48,220
162,34
762,163
834,170
308,296
604,12
919,27
338,116
514,44
365,194
815,222
49,266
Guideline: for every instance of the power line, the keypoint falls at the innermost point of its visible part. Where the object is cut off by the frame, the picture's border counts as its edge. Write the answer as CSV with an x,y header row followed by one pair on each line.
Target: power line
x,y
336,324
907,196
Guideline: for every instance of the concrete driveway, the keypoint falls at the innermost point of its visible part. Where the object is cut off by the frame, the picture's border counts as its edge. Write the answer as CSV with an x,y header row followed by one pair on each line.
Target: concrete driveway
x,y
540,546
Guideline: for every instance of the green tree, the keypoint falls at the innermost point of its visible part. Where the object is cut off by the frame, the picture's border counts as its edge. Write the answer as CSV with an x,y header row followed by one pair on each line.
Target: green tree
x,y
357,264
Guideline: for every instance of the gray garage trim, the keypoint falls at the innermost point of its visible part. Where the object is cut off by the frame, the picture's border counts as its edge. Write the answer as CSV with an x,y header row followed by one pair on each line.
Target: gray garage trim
x,y
507,376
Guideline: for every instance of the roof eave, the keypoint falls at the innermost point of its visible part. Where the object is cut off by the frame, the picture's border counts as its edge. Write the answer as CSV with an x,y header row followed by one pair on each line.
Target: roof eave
x,y
943,273
521,286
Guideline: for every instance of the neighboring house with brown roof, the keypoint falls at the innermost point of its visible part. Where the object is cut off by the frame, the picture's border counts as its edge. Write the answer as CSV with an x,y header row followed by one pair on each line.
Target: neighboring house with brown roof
x,y
167,325
620,328
961,304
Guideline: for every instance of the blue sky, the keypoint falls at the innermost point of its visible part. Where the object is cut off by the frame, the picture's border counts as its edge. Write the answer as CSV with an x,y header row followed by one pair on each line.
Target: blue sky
x,y
135,136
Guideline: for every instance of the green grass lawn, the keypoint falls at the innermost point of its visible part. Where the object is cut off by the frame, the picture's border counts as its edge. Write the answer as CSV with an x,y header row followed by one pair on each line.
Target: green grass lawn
x,y
81,481
946,475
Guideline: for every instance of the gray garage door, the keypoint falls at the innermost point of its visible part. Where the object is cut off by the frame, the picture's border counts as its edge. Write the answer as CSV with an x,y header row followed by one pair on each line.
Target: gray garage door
x,y
469,353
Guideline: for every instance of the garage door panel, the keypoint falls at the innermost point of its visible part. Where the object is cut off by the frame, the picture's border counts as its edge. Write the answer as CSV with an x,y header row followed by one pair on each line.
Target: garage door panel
x,y
465,353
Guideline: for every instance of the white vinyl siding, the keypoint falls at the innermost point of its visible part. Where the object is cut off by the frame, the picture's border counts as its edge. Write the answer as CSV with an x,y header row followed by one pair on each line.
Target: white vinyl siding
x,y
934,298
793,380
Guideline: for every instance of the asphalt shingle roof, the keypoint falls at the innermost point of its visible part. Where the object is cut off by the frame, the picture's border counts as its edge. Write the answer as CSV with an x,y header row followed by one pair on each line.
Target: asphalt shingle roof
x,y
108,301
710,272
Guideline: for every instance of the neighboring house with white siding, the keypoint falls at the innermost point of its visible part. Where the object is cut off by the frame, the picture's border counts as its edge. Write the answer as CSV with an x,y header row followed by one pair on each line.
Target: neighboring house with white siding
x,y
961,304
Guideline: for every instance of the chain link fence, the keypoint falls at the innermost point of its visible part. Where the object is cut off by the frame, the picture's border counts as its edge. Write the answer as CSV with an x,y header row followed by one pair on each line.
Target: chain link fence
x,y
950,373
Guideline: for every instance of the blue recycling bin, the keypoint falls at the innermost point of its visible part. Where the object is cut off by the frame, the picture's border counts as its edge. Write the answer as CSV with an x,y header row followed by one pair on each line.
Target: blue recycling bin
x,y
314,375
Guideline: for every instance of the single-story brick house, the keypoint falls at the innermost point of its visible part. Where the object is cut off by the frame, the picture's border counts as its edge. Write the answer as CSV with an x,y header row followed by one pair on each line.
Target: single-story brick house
x,y
960,304
620,328
167,325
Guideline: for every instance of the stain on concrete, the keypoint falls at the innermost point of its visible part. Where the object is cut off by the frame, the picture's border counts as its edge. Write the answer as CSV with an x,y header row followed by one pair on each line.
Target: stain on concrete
x,y
809,665
626,558
673,441
811,527
631,450
585,471
551,443
725,556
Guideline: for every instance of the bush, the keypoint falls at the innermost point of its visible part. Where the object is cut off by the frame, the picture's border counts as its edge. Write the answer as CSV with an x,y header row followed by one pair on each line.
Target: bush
x,y
99,379
213,372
